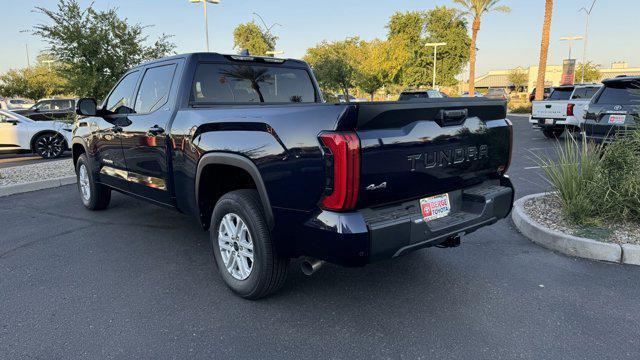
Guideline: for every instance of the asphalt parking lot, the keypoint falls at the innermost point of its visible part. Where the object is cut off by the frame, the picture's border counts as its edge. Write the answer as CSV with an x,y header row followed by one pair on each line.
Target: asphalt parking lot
x,y
138,281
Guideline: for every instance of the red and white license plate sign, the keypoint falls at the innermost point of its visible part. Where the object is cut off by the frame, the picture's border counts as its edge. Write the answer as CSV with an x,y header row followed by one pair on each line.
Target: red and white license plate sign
x,y
435,207
617,119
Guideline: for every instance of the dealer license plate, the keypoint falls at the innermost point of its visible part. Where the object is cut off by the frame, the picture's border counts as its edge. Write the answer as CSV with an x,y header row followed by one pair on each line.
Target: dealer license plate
x,y
435,207
617,119
548,121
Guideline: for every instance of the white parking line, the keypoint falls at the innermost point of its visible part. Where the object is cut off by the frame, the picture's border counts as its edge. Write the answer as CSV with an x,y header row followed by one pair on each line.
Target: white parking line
x,y
535,167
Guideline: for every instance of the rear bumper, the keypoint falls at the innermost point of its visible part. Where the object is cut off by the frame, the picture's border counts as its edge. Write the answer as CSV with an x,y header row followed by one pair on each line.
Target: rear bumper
x,y
369,235
539,123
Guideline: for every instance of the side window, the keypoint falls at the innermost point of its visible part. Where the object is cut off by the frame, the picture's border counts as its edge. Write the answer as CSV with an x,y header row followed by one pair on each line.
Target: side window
x,y
44,105
121,99
155,88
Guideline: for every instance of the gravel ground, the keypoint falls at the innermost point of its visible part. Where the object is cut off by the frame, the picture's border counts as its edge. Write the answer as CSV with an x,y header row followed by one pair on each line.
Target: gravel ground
x,y
547,210
35,172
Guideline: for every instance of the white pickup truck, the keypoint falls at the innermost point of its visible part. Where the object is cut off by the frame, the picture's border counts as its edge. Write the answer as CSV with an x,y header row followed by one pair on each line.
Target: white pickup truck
x,y
564,109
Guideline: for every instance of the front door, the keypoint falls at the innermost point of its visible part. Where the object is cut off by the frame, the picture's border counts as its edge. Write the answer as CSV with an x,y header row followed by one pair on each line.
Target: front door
x,y
144,140
14,134
109,130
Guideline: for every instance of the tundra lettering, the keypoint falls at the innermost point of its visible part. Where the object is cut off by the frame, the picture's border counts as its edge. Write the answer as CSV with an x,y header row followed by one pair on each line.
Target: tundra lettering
x,y
248,147
448,157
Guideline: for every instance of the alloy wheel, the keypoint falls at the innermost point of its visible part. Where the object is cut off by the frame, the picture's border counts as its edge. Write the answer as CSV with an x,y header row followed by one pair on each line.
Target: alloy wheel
x,y
83,181
236,246
50,146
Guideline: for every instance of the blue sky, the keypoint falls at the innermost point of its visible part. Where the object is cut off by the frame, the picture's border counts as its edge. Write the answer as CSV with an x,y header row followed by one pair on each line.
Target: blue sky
x,y
505,41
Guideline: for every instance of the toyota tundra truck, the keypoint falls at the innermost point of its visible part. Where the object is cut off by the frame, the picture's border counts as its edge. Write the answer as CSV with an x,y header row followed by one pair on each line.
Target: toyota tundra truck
x,y
247,146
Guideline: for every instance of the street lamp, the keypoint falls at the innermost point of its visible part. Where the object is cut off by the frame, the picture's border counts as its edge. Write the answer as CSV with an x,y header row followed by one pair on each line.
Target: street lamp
x,y
571,39
206,22
435,55
586,36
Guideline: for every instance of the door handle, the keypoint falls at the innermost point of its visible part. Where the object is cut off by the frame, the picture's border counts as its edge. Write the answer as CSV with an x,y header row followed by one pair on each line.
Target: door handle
x,y
155,130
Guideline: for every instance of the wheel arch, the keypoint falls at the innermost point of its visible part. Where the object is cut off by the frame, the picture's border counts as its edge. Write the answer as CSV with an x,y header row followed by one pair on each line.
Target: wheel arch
x,y
32,143
232,161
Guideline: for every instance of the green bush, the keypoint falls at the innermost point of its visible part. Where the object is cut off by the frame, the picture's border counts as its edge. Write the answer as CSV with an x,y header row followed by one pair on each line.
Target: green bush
x,y
596,183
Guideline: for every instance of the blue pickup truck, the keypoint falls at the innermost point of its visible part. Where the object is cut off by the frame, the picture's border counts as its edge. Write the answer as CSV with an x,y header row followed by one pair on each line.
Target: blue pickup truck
x,y
248,146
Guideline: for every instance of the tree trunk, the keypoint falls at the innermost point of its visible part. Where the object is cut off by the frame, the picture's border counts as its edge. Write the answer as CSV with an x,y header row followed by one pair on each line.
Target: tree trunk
x,y
345,92
544,49
371,96
472,55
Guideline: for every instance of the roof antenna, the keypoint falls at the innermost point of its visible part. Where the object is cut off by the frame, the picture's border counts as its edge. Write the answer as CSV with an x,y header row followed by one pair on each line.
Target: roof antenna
x,y
245,52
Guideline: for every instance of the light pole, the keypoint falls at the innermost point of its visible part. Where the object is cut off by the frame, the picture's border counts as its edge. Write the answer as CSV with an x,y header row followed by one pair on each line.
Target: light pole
x,y
571,39
206,21
435,58
586,36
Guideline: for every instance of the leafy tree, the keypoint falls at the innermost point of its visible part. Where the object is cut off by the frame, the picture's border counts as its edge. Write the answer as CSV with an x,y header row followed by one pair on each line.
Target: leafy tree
x,y
35,83
591,72
518,78
371,74
411,62
252,37
333,64
475,9
544,49
96,47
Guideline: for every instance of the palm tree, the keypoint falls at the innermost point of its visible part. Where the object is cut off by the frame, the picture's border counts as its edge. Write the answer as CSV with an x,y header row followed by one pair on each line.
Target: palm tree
x,y
544,49
254,75
477,8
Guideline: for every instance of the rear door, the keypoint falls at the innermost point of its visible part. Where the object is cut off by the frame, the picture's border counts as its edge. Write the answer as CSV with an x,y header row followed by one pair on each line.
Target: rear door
x,y
413,150
144,139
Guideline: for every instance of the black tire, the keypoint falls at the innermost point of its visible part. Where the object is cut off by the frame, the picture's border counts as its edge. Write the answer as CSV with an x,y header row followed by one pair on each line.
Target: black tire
x,y
99,195
268,269
553,133
49,145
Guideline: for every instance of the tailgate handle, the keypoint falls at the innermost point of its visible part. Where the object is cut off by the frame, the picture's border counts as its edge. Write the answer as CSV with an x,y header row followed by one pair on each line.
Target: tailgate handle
x,y
452,117
548,106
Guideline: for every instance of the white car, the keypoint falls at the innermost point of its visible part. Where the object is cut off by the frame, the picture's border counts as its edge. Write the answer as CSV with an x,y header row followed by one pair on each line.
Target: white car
x,y
48,139
564,109
17,104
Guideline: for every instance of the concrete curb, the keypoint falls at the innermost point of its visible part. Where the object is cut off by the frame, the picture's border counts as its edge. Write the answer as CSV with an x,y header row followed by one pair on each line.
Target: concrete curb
x,y
569,244
36,185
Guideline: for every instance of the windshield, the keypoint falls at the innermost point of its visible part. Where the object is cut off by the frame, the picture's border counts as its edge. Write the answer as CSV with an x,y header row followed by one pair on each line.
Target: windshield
x,y
624,92
584,93
217,83
561,94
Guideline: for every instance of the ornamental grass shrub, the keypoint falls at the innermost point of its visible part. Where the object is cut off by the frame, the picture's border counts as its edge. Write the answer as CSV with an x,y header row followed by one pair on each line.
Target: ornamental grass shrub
x,y
596,183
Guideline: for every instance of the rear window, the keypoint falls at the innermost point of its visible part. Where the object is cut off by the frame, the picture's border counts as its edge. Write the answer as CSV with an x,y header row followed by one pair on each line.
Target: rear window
x,y
624,92
561,94
416,95
219,83
584,93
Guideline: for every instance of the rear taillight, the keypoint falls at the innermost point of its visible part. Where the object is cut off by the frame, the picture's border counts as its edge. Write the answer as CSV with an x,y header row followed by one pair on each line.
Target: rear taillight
x,y
570,109
503,169
343,170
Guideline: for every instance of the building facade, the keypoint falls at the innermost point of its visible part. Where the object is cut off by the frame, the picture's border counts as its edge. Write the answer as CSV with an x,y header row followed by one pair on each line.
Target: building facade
x,y
553,75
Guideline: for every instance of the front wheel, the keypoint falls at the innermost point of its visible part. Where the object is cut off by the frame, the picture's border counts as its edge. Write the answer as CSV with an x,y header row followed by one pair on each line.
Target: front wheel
x,y
50,145
243,249
94,196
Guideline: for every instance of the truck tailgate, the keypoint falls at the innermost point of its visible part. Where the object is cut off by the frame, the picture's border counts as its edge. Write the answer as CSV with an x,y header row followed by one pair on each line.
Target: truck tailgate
x,y
549,109
419,149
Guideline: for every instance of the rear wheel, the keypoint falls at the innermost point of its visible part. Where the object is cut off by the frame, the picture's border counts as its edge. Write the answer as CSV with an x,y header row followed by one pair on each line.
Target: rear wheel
x,y
50,145
553,133
243,249
94,196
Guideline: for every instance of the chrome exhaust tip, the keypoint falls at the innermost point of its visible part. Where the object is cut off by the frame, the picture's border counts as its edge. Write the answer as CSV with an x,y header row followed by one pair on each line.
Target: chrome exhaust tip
x,y
310,266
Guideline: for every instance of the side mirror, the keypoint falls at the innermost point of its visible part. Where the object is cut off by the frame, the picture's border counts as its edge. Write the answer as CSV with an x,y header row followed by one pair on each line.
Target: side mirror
x,y
87,107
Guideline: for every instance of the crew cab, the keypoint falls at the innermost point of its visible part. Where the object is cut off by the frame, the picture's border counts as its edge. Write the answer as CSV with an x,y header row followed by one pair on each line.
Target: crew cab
x,y
564,109
613,110
247,146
